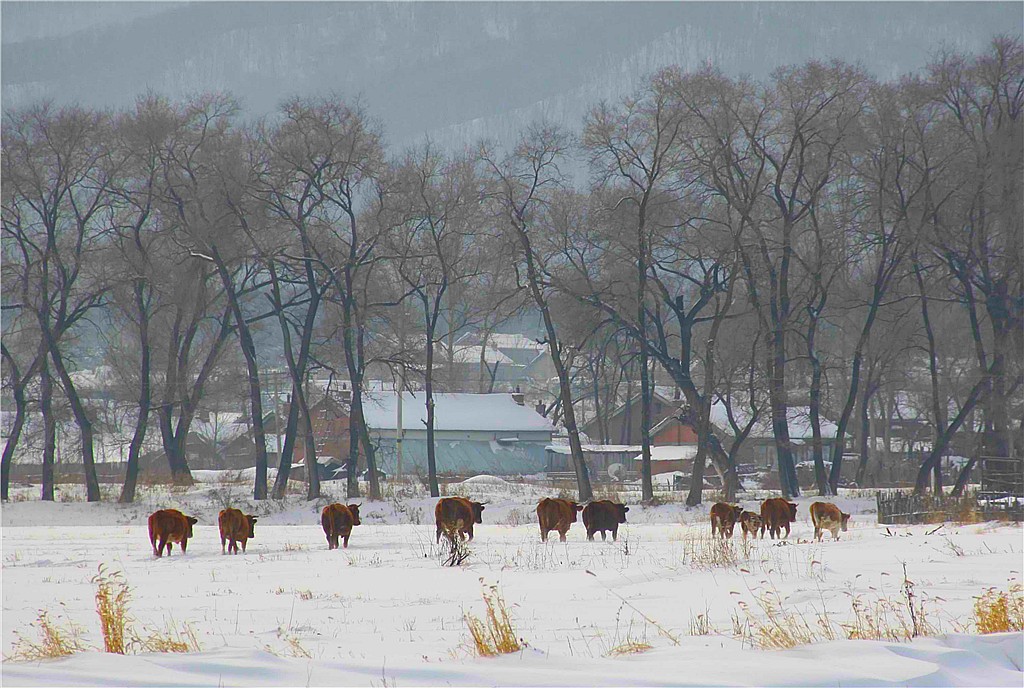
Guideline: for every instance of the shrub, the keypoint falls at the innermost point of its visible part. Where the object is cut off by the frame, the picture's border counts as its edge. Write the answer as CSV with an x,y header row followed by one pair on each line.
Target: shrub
x,y
493,635
55,640
1000,612
112,596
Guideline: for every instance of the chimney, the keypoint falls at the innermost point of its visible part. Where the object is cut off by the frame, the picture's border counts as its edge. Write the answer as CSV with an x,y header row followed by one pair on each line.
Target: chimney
x,y
675,394
519,397
539,408
345,396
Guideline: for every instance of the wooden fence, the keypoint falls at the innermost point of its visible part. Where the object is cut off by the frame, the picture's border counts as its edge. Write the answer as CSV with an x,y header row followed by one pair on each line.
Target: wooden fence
x,y
907,508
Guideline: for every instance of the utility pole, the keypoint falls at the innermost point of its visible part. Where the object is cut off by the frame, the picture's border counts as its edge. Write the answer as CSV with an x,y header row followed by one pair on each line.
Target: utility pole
x,y
400,433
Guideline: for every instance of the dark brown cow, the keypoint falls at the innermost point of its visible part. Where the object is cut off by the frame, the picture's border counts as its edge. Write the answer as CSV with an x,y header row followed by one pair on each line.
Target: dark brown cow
x,y
777,513
828,517
751,523
604,515
167,526
338,521
723,518
235,527
556,514
457,515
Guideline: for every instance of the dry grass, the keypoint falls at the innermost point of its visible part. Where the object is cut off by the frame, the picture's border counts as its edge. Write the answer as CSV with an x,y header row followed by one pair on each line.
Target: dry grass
x,y
774,625
493,635
56,639
170,639
455,550
112,597
996,611
702,550
630,647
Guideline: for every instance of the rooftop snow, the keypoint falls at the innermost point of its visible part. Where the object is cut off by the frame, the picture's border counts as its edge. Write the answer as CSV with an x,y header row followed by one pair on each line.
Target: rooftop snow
x,y
473,412
683,452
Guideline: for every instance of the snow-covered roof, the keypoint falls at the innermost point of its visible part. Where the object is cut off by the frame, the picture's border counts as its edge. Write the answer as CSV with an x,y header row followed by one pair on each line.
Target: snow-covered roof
x,y
681,452
596,448
222,427
514,341
797,416
471,354
475,412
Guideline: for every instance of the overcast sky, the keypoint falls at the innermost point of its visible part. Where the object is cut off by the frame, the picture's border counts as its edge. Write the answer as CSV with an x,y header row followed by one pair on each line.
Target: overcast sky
x,y
454,70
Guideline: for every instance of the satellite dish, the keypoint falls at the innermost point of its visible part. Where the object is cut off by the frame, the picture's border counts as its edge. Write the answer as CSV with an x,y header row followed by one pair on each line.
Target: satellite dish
x,y
617,472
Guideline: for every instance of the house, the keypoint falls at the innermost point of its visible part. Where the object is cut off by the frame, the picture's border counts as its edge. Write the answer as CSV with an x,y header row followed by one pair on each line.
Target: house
x,y
474,433
511,360
623,424
759,447
599,458
668,459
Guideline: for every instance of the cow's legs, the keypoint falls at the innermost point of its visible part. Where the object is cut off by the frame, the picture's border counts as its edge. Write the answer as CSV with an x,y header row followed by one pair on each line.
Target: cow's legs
x,y
184,544
346,541
243,546
561,534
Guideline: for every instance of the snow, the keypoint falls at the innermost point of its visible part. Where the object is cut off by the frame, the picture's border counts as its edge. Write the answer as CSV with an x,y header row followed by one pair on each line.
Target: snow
x,y
595,448
471,354
682,452
467,412
799,418
384,612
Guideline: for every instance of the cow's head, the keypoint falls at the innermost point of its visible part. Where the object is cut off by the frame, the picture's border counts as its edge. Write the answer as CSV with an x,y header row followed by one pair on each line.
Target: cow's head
x,y
252,525
620,512
792,511
478,512
354,509
844,520
191,522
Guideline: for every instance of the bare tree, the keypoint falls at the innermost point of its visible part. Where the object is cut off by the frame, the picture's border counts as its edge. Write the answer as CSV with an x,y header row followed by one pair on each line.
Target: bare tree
x,y
522,184
57,169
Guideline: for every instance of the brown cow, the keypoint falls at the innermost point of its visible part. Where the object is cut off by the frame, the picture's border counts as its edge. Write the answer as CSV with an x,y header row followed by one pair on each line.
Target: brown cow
x,y
235,527
751,523
604,515
457,515
826,516
777,513
724,517
167,526
338,521
556,514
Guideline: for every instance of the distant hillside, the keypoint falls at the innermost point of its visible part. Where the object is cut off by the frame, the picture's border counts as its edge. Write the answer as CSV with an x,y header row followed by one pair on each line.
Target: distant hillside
x,y
456,71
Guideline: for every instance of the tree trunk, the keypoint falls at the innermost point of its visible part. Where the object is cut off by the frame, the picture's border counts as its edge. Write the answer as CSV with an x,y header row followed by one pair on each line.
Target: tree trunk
x,y
934,458
584,490
291,432
13,438
19,384
780,419
92,485
131,474
866,440
312,467
355,422
963,478
646,480
428,393
49,427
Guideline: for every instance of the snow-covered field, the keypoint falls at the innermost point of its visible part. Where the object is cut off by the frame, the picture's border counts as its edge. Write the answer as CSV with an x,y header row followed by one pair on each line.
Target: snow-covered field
x,y
385,612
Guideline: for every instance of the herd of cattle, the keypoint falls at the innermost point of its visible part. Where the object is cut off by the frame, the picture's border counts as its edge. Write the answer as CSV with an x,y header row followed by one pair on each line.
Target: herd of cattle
x,y
455,516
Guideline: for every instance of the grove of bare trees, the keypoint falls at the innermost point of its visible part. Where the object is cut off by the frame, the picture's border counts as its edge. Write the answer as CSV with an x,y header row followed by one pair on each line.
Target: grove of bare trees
x,y
819,240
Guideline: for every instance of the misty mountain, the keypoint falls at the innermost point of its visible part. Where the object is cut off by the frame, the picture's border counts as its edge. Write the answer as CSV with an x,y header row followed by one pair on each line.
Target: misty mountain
x,y
454,71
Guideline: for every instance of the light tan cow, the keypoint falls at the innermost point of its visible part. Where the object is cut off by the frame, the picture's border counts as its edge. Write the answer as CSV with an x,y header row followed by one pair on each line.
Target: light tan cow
x,y
828,517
